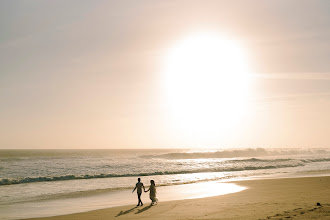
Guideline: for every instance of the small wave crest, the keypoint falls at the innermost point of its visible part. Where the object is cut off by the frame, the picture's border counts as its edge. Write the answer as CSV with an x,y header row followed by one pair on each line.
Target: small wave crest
x,y
261,160
315,160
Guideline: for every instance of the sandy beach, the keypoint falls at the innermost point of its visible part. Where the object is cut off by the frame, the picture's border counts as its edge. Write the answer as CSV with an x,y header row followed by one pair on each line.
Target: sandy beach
x,y
287,198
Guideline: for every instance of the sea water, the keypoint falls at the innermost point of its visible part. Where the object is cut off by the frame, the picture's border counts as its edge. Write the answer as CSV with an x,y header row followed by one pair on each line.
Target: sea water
x,y
35,183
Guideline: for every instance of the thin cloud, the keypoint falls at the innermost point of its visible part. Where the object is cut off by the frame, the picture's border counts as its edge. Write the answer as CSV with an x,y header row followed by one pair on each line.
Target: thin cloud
x,y
297,76
291,97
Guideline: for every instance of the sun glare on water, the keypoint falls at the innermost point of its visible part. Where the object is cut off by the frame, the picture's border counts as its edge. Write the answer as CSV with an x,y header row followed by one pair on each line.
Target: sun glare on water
x,y
206,84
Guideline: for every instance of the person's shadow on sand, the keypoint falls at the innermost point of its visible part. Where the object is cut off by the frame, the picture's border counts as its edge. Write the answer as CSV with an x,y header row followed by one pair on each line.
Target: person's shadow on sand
x,y
132,209
125,212
144,209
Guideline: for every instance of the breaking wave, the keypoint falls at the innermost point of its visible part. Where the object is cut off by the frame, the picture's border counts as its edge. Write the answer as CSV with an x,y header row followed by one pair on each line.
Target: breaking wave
x,y
258,152
77,177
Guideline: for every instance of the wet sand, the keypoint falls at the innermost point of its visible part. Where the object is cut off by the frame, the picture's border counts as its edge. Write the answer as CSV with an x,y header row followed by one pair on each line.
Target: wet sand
x,y
288,198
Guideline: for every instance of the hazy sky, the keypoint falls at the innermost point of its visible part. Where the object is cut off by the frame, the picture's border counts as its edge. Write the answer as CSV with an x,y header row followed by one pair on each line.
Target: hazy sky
x,y
88,74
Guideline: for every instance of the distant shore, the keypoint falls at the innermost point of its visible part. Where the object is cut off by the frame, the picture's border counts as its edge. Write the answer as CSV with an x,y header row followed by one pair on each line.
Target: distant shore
x,y
287,198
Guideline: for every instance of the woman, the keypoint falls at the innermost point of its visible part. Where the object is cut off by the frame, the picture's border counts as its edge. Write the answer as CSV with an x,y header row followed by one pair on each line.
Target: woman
x,y
152,194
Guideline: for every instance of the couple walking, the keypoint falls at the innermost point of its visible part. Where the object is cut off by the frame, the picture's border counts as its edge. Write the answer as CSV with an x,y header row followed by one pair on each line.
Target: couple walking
x,y
152,190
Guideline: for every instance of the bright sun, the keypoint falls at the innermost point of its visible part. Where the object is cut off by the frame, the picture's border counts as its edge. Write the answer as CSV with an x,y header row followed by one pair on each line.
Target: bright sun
x,y
206,83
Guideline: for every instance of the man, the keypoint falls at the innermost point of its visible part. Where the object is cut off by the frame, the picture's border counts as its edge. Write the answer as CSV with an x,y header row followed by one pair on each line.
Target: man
x,y
138,188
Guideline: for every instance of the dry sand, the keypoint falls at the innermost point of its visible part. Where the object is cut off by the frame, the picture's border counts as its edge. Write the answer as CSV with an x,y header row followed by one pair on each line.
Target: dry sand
x,y
289,198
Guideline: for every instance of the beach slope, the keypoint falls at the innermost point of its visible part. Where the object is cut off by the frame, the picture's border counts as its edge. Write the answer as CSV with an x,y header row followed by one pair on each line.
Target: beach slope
x,y
288,198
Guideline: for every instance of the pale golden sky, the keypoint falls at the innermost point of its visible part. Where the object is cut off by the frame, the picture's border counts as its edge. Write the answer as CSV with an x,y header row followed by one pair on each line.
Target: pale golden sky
x,y
90,74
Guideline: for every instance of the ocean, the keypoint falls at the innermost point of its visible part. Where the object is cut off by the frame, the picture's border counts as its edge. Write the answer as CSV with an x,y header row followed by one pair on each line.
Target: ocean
x,y
82,180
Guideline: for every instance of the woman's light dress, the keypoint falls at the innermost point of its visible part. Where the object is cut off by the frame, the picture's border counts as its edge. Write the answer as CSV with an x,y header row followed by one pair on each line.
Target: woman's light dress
x,y
152,194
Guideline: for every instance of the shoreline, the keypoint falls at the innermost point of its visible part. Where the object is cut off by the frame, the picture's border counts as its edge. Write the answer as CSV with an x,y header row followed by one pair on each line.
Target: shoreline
x,y
101,200
283,198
